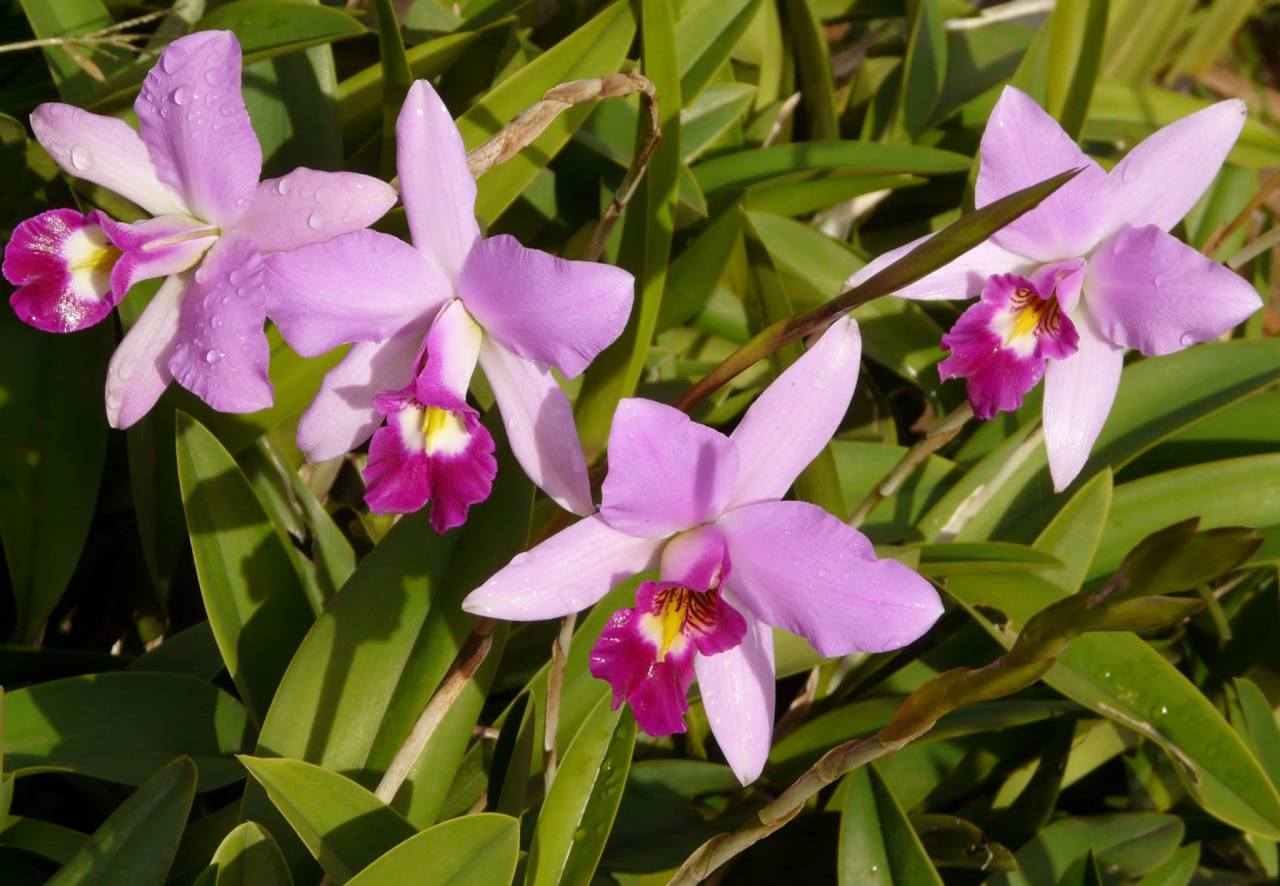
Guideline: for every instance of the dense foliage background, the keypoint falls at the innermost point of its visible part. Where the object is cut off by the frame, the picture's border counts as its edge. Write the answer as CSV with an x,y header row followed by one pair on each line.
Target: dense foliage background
x,y
213,652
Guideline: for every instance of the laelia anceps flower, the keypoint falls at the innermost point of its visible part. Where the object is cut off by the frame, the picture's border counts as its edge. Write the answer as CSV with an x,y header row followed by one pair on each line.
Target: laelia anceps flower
x,y
1088,273
194,166
422,316
704,510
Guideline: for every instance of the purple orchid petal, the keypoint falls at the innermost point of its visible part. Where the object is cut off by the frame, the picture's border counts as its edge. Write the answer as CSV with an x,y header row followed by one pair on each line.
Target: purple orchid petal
x,y
196,128
1021,146
1063,279
1000,345
362,286
796,416
436,186
540,427
342,415
1078,393
666,472
307,207
1152,292
738,695
698,558
960,278
155,247
139,369
449,357
60,261
1159,181
105,151
646,654
797,567
568,572
429,454
544,308
222,352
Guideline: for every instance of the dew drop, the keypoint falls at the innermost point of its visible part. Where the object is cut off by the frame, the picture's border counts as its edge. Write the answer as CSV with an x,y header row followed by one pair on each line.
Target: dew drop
x,y
80,157
181,95
212,356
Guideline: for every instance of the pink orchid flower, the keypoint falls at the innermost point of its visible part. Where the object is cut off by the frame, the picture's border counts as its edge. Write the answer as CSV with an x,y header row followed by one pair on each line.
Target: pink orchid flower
x,y
1090,272
422,316
194,165
704,510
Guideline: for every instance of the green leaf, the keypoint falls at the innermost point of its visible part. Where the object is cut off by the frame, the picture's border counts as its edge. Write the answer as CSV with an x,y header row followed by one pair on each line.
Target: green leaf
x,y
1129,843
475,850
1129,113
582,801
1077,29
1074,534
248,857
255,602
375,656
51,456
813,70
1240,491
739,169
44,838
1122,678
137,842
595,49
65,18
877,843
1177,870
957,558
646,240
1212,36
1258,726
924,66
396,80
268,28
359,102
705,36
1155,399
342,824
106,726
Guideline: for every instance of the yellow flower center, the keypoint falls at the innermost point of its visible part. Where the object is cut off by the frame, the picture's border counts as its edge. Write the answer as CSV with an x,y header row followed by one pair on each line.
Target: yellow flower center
x,y
1032,314
443,431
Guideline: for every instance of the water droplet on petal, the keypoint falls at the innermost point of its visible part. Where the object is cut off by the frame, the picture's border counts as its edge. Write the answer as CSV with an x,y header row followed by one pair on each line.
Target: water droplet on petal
x,y
181,95
80,157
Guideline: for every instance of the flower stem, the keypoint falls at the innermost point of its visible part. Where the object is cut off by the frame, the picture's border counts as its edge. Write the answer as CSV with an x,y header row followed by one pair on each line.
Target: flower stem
x,y
555,681
926,446
468,661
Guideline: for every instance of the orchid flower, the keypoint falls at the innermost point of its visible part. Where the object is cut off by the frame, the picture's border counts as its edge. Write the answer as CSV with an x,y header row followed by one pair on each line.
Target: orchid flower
x,y
1087,274
194,166
422,316
703,509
